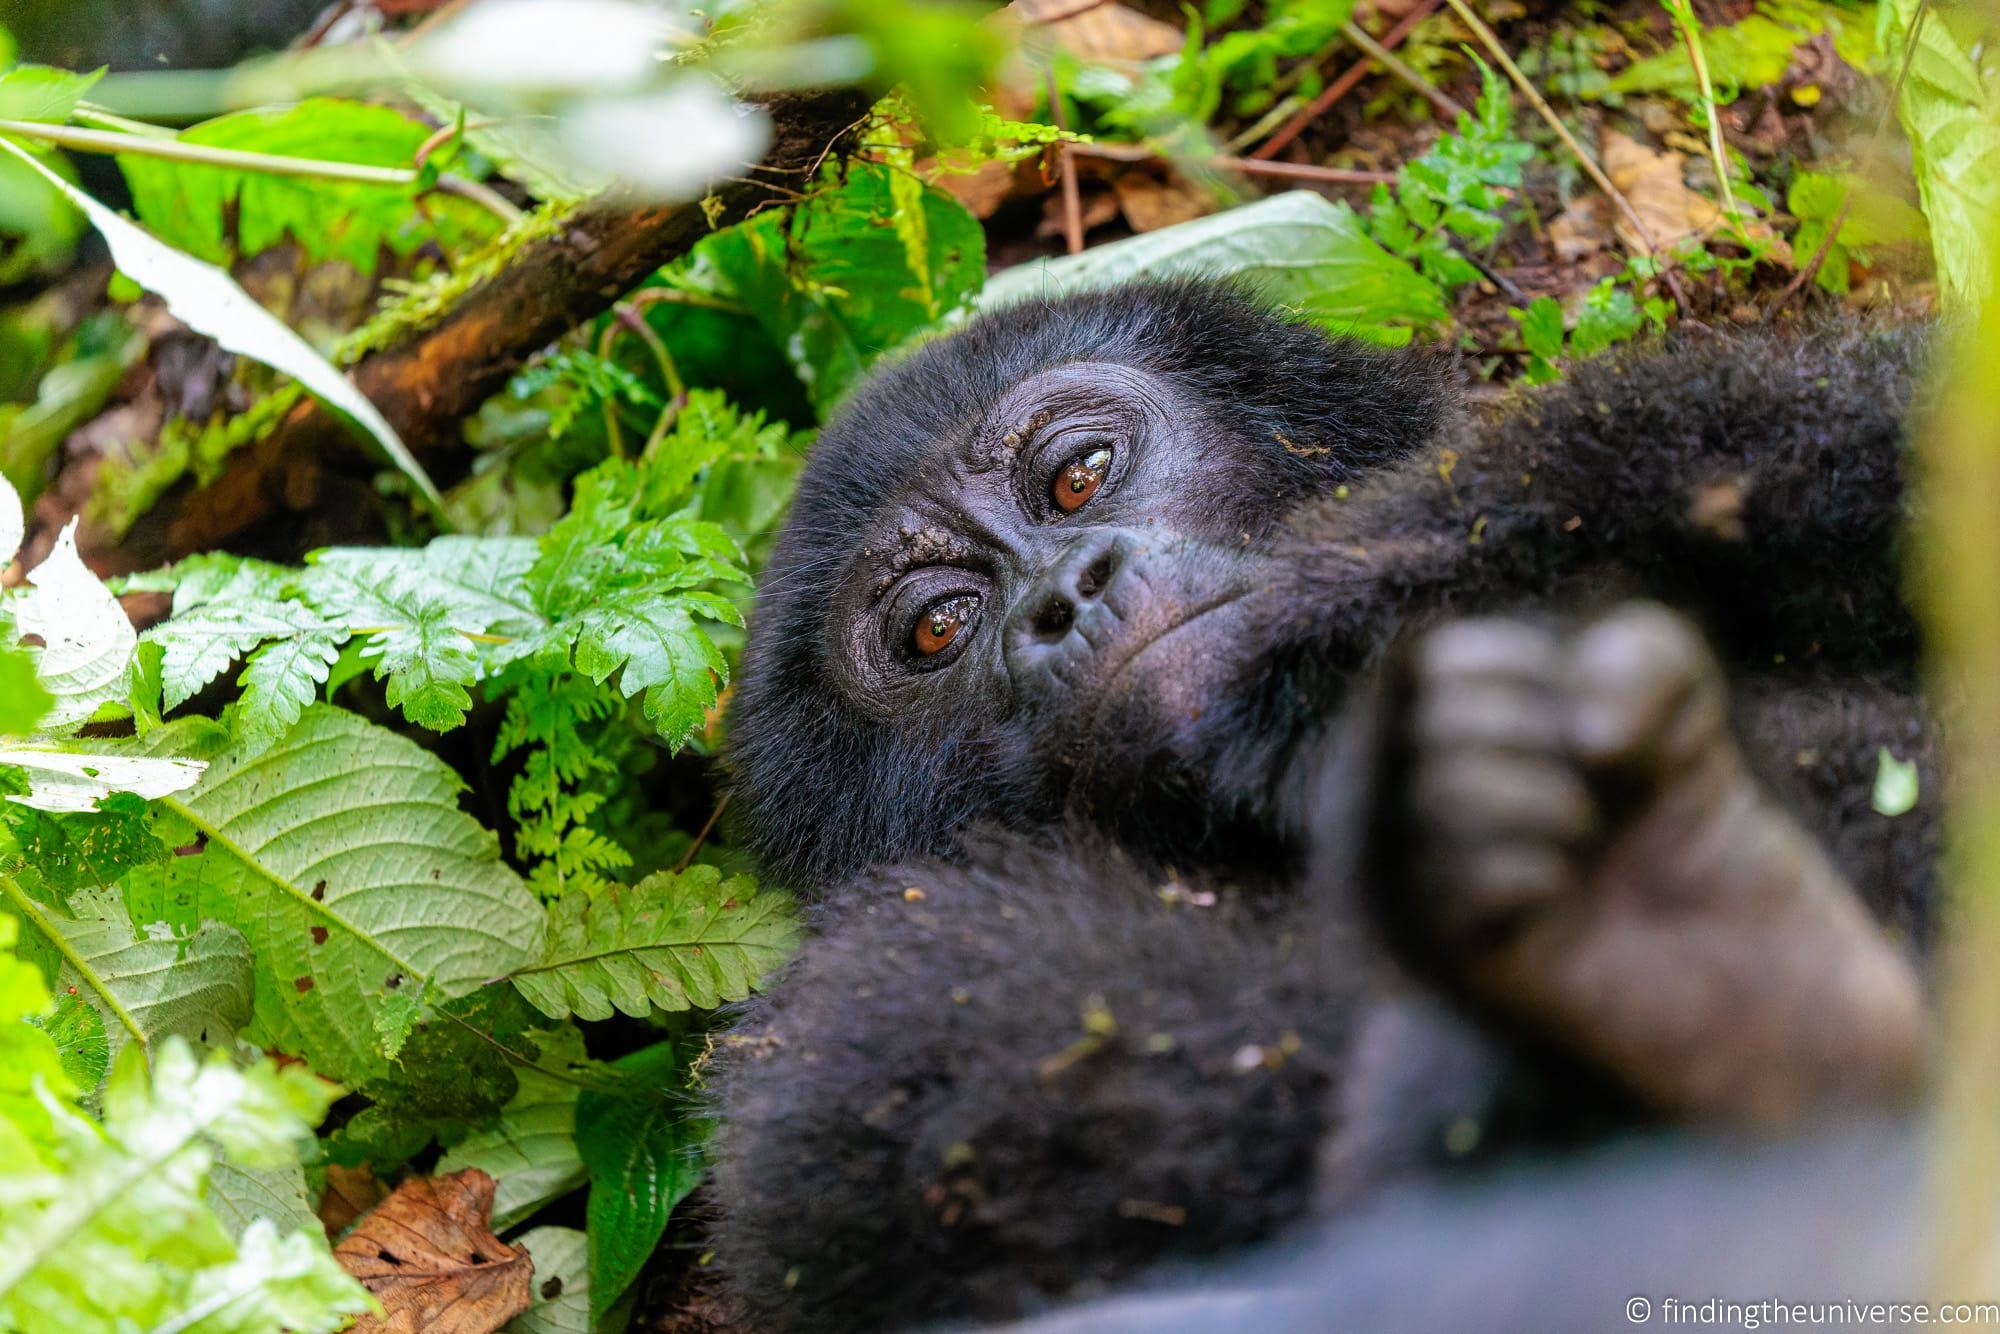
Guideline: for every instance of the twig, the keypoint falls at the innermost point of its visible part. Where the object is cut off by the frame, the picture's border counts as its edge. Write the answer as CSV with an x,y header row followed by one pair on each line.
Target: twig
x,y
1343,85
1297,171
1382,56
1071,199
1077,10
1488,40
702,837
1825,248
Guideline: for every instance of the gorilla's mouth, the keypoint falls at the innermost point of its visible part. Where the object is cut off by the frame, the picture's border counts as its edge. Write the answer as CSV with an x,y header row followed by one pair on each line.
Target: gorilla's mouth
x,y
1152,638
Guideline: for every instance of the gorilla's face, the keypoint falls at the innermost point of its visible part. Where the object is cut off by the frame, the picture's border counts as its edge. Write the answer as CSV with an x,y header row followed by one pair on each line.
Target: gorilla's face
x,y
1026,569
1075,560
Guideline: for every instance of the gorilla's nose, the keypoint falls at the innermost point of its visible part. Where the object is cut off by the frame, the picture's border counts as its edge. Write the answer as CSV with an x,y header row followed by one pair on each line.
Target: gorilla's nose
x,y
1061,616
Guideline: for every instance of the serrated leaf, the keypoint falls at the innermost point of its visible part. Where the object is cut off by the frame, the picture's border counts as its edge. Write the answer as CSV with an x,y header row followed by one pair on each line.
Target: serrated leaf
x,y
642,1144
78,778
208,301
151,986
530,1151
661,652
673,941
342,855
240,1196
87,641
1297,249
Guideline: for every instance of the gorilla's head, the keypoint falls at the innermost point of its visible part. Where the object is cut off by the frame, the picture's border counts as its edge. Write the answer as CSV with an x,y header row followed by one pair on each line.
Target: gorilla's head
x,y
1028,569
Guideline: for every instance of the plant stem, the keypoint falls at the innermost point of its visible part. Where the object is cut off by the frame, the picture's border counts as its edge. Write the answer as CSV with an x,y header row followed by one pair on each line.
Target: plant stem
x,y
271,164
1343,85
1683,15
1491,42
1449,109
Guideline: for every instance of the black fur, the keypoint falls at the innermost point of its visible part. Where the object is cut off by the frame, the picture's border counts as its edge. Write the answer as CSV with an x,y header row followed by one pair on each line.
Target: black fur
x,y
895,1143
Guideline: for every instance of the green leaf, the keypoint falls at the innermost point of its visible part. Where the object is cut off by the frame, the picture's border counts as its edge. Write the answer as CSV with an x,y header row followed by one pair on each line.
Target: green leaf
x,y
62,852
343,857
23,701
1542,327
191,205
107,1227
38,92
1298,249
208,301
1609,315
87,641
1951,112
642,1145
1895,792
145,986
562,1286
673,941
77,1029
1753,52
850,273
530,1152
240,1196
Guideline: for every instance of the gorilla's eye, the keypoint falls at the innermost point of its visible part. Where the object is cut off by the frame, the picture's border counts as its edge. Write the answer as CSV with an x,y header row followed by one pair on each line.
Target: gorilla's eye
x,y
1079,479
940,624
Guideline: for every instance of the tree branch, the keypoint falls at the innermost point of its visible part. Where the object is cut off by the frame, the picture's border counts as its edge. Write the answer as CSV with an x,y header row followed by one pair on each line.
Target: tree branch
x,y
427,384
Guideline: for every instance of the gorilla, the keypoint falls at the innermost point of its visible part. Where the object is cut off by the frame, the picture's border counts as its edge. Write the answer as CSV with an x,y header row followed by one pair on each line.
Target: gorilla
x,y
1230,778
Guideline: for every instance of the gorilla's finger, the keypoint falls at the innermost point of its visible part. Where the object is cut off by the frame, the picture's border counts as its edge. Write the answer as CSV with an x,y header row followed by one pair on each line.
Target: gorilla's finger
x,y
1646,693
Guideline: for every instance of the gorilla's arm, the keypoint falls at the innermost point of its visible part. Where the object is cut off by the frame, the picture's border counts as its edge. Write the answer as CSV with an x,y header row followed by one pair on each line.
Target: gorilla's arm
x,y
1756,480
984,1085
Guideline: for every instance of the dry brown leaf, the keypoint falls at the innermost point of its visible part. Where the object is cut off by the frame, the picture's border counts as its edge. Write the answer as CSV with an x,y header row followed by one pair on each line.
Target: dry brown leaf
x,y
1150,203
350,1193
429,1258
1651,181
1108,32
983,189
1582,229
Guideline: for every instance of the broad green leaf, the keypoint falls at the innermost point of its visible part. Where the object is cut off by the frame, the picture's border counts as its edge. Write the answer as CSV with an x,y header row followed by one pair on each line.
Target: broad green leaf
x,y
61,852
192,205
530,1152
208,301
673,941
78,777
342,855
24,704
38,92
643,1147
1297,249
240,1196
562,1286
1950,110
107,1227
145,986
77,1029
87,641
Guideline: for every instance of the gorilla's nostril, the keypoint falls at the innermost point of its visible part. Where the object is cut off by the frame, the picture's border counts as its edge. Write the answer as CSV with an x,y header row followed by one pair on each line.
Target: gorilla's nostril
x,y
1092,581
1054,617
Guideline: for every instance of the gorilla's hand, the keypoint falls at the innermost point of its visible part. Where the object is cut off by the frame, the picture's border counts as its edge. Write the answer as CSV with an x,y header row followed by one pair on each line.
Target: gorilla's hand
x,y
1570,842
